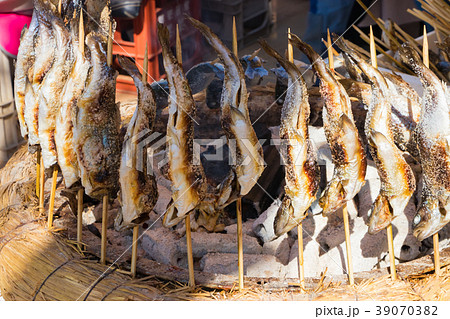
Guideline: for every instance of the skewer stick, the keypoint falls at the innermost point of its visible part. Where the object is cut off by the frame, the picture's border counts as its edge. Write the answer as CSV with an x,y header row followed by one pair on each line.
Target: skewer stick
x,y
301,267
38,172
104,225
390,236
106,197
80,191
426,61
41,186
330,51
187,219
134,247
348,246
110,38
59,6
51,205
239,200
80,218
81,33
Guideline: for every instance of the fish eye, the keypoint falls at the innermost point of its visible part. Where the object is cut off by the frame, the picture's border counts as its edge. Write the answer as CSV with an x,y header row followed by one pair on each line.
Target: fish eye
x,y
416,220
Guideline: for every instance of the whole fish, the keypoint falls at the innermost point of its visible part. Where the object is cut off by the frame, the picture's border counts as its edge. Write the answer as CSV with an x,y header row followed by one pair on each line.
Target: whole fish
x,y
342,136
74,86
188,180
24,66
96,124
138,189
44,48
397,178
301,169
248,158
432,138
50,94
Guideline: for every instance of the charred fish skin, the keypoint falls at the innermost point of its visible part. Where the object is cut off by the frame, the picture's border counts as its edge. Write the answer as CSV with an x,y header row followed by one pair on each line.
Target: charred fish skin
x,y
24,62
405,112
50,95
138,189
397,178
249,161
44,48
301,169
405,103
188,180
432,138
342,135
96,125
73,89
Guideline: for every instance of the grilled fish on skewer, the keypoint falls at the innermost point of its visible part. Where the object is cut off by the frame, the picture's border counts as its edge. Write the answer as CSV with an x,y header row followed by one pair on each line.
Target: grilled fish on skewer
x,y
301,170
75,84
188,180
397,179
432,138
44,48
138,190
342,136
50,94
24,66
249,162
96,125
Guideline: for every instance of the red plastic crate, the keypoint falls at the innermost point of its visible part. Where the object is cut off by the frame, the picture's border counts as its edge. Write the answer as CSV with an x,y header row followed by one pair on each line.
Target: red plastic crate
x,y
144,31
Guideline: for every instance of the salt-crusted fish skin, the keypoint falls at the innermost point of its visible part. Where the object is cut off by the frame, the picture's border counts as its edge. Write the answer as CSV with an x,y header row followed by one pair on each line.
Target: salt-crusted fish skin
x,y
138,189
24,65
342,136
50,94
188,180
44,48
249,161
396,176
73,88
301,169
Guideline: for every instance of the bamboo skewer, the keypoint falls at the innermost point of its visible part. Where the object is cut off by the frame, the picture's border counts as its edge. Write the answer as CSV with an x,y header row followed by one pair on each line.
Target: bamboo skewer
x,y
348,247
187,219
80,191
301,266
51,205
106,197
38,172
330,52
426,61
41,186
134,248
390,237
104,225
239,200
80,218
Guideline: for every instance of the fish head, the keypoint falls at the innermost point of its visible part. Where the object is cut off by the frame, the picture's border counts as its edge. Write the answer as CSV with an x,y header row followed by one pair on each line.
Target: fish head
x,y
284,220
333,197
380,216
429,219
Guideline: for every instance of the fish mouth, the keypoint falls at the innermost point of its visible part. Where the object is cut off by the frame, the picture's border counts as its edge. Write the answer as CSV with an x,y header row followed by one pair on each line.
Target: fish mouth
x,y
381,215
429,219
332,198
284,221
